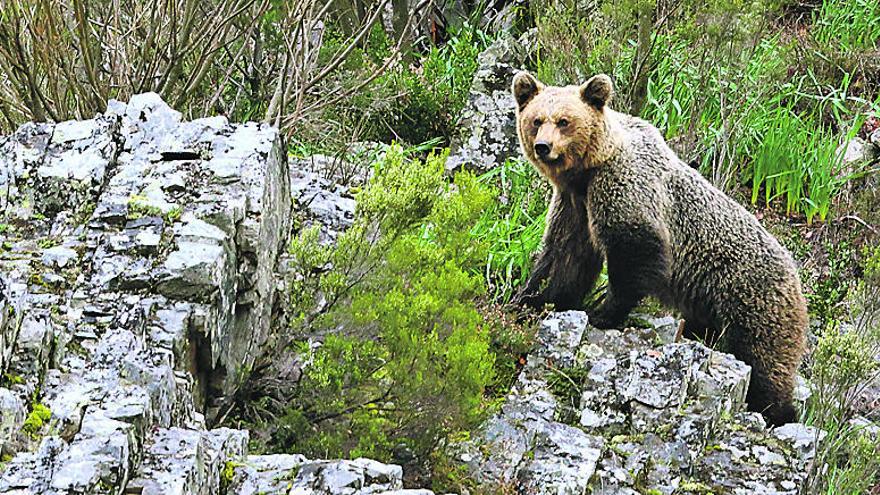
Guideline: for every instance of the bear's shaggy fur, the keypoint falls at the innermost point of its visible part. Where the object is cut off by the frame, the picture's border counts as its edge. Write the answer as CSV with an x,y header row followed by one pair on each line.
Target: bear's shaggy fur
x,y
622,196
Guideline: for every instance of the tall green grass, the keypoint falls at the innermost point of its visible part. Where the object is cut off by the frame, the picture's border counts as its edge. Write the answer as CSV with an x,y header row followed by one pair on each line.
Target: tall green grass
x,y
848,25
513,225
779,136
798,163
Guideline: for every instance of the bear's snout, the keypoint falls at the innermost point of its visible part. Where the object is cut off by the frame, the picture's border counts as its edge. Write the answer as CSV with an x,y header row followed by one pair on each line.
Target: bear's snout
x,y
542,149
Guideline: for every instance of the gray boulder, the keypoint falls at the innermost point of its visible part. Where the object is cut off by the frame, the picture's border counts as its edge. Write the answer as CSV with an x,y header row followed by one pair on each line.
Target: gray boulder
x,y
653,415
487,127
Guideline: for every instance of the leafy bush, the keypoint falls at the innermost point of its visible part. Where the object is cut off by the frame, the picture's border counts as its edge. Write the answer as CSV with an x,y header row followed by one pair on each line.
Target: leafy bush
x,y
428,98
844,363
407,355
416,100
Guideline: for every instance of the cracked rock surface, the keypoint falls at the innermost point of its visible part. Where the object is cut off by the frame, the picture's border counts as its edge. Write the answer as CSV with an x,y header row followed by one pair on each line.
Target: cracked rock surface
x,y
610,411
137,279
488,122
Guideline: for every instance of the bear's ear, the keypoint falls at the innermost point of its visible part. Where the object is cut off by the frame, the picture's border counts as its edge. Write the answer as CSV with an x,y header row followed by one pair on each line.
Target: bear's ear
x,y
597,91
525,87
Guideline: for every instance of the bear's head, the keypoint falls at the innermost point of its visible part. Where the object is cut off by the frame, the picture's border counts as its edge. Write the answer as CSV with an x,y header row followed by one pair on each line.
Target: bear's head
x,y
564,130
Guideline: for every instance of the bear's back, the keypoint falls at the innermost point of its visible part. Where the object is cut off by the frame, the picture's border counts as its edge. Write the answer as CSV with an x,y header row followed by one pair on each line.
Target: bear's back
x,y
711,237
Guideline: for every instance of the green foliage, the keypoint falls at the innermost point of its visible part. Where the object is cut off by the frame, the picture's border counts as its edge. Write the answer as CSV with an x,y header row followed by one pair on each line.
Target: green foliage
x,y
847,25
422,358
867,291
827,291
35,420
227,474
139,207
10,379
414,101
513,225
844,363
511,341
843,359
799,162
567,385
426,99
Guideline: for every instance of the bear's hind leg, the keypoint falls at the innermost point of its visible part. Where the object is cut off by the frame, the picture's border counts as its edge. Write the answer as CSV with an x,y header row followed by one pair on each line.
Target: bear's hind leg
x,y
700,331
771,397
774,359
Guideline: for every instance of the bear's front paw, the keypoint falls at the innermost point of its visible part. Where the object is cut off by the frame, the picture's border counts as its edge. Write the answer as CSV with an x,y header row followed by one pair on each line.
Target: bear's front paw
x,y
602,320
527,299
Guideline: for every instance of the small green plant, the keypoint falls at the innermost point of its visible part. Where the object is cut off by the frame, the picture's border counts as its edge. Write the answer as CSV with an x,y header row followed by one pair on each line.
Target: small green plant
x,y
227,475
138,207
47,242
35,420
416,102
173,215
567,385
826,292
10,379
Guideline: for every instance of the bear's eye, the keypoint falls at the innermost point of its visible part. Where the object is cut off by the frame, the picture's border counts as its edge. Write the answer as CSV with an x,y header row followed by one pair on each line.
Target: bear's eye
x,y
562,123
538,122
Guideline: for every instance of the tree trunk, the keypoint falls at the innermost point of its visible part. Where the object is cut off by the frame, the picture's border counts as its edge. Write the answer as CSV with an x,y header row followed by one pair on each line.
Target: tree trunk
x,y
639,91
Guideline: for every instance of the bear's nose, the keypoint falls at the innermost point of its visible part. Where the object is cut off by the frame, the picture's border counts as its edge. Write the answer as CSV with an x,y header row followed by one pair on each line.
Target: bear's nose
x,y
542,148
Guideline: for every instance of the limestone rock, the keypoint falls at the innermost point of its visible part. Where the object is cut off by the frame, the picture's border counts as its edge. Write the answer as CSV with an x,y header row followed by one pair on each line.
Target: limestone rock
x,y
487,136
858,151
295,475
136,283
652,415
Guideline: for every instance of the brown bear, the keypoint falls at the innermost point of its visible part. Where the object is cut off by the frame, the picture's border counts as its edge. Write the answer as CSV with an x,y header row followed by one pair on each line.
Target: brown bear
x,y
622,196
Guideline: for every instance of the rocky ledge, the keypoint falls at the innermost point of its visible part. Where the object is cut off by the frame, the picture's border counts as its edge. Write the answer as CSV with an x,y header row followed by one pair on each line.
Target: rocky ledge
x,y
628,412
139,265
137,280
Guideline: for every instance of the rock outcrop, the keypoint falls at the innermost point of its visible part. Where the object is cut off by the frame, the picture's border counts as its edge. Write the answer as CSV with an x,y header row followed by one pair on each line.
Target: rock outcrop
x,y
487,127
627,412
137,280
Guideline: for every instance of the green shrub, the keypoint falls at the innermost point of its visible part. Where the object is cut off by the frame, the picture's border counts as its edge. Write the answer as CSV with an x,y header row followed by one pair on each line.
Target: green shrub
x,y
826,292
416,100
844,363
418,363
427,99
